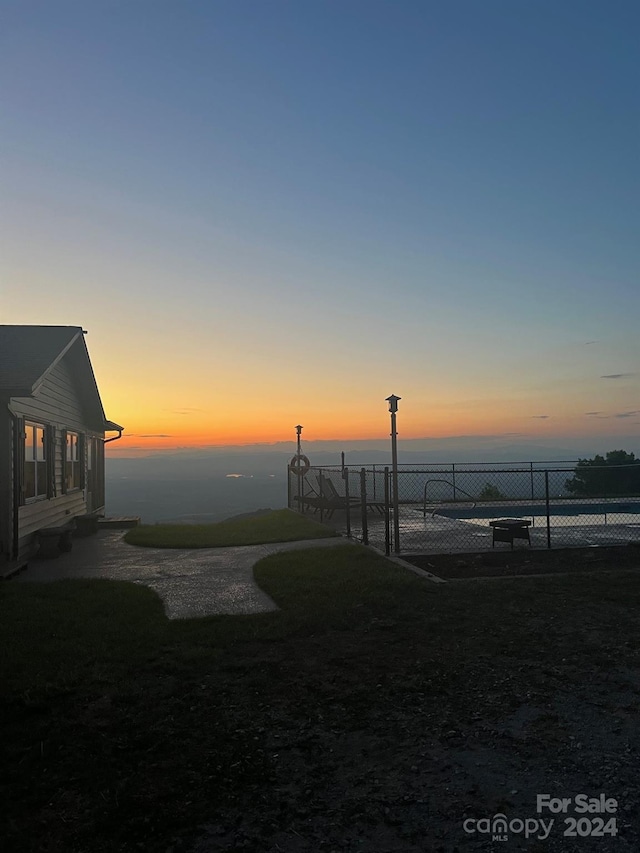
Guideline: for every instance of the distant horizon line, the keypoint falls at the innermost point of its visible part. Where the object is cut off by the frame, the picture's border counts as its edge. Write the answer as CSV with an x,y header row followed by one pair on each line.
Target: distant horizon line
x,y
462,443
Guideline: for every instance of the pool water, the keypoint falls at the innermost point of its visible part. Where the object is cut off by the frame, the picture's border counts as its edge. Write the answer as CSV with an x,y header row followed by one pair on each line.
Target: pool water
x,y
572,513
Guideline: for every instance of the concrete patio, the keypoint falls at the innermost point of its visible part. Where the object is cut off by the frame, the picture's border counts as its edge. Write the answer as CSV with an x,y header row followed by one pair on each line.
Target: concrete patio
x,y
191,582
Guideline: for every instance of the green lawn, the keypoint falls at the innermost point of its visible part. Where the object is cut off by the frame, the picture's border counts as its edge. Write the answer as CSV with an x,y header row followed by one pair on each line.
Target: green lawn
x,y
281,525
333,723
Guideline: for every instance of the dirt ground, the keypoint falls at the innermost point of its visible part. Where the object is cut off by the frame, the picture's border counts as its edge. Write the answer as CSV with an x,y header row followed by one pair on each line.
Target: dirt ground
x,y
483,734
503,562
386,726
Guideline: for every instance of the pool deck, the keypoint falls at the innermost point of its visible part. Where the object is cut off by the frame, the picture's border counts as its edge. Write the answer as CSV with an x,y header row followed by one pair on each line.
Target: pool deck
x,y
446,534
439,534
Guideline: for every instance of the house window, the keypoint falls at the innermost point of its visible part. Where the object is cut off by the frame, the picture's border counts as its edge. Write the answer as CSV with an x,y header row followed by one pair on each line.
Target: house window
x,y
35,461
73,462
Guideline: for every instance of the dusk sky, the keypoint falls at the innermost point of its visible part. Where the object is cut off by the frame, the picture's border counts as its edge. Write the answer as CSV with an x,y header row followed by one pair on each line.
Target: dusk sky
x,y
270,213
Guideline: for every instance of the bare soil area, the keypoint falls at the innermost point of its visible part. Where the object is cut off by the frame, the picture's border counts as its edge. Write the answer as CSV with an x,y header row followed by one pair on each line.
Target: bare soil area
x,y
374,713
528,561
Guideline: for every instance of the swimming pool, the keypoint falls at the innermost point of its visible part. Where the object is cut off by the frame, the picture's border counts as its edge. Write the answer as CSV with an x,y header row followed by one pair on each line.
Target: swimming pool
x,y
614,516
569,509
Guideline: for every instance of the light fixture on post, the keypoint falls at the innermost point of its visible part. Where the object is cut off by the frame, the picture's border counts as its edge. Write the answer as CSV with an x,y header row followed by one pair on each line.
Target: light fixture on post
x,y
299,466
393,408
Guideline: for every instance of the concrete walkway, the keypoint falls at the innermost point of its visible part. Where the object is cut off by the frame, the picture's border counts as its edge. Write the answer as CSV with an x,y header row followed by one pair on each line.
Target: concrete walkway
x,y
191,582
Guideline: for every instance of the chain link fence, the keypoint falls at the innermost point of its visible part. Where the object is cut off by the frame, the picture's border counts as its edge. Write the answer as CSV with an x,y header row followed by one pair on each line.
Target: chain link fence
x,y
455,508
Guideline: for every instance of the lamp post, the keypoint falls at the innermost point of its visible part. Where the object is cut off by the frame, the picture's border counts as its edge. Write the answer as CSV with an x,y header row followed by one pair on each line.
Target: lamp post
x,y
298,454
393,408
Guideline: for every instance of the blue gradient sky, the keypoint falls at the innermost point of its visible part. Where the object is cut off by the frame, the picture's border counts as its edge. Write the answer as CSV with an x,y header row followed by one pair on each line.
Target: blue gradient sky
x,y
272,212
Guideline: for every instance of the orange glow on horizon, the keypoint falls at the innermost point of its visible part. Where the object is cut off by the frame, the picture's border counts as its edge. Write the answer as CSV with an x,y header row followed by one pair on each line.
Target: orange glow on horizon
x,y
171,430
199,436
177,417
184,439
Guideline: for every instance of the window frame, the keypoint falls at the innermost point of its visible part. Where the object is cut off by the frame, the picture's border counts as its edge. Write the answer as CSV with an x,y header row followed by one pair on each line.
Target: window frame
x,y
73,478
39,460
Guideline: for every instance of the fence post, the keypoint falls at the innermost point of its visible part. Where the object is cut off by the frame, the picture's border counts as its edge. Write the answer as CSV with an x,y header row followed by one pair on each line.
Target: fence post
x,y
453,479
546,503
396,506
345,474
321,490
363,502
387,519
533,497
289,497
300,489
533,491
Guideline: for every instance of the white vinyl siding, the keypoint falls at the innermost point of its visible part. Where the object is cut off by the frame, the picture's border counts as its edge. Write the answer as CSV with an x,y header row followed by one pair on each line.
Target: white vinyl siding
x,y
55,407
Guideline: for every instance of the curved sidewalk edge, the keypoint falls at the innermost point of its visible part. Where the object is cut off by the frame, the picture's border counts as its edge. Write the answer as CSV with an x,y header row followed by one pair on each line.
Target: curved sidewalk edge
x,y
192,583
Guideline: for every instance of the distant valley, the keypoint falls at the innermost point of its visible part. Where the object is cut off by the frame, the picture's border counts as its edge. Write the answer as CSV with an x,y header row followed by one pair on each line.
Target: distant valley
x,y
211,485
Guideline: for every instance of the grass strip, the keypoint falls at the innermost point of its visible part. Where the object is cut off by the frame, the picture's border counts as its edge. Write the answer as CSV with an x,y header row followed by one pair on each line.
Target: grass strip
x,y
281,525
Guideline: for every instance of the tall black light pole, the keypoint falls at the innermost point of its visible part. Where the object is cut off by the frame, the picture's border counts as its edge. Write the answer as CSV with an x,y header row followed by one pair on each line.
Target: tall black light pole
x,y
393,408
299,454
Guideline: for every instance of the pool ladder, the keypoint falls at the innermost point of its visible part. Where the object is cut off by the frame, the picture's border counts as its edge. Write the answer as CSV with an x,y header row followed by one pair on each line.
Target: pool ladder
x,y
435,508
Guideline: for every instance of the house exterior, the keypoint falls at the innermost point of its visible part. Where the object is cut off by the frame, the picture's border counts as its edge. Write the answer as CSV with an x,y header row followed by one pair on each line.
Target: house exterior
x,y
52,435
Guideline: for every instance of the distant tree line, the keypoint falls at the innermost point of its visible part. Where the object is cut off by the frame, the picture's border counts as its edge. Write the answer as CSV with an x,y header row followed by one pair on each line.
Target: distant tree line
x,y
491,493
614,475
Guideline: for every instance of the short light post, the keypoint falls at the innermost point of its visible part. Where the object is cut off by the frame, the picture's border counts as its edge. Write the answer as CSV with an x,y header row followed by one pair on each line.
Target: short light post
x,y
299,454
393,408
